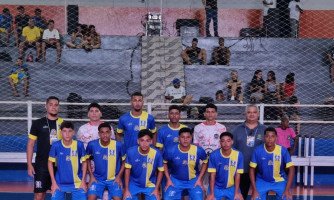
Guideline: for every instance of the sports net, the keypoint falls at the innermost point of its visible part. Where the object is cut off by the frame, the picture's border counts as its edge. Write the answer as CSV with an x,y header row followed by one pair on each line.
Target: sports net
x,y
259,37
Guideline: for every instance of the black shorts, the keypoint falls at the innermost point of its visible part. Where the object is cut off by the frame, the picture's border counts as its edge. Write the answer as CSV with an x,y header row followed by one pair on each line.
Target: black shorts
x,y
42,181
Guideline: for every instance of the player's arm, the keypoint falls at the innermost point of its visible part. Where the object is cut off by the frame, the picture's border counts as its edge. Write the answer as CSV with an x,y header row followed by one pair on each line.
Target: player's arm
x,y
255,193
211,196
126,183
237,194
156,191
92,178
54,185
119,176
167,175
287,193
30,152
83,184
199,181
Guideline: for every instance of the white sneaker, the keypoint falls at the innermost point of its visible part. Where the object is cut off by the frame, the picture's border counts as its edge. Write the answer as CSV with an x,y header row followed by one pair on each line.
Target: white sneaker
x,y
232,98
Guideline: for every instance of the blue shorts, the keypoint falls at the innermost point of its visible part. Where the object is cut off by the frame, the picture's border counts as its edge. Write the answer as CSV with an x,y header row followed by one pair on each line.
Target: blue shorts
x,y
136,190
175,192
77,193
220,193
97,189
263,187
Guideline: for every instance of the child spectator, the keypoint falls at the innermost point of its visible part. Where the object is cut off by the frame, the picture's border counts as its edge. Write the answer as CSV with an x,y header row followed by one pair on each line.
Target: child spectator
x,y
18,73
257,87
234,86
51,39
285,134
76,38
71,171
6,21
289,86
39,20
31,39
21,21
92,39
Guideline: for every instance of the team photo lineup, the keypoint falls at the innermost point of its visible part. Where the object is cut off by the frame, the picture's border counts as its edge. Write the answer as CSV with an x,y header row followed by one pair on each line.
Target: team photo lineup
x,y
139,161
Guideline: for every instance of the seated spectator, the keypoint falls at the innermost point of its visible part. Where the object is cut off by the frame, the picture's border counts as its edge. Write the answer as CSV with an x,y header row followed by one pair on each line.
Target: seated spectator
x,y
257,87
19,73
221,55
271,88
92,39
6,21
220,98
194,55
39,20
175,93
21,21
285,134
289,86
51,39
293,112
76,38
330,56
31,37
234,87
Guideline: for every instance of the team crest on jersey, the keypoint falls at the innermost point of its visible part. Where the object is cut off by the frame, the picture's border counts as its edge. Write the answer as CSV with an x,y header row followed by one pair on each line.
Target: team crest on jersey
x,y
192,157
277,158
270,162
226,167
137,128
176,140
216,136
111,152
150,160
144,165
233,163
105,157
74,153
68,158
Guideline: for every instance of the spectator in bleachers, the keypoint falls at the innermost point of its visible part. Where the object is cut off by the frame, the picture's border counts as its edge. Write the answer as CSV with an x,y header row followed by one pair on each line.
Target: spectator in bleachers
x,y
220,98
92,39
257,87
293,112
221,55
51,39
21,21
39,20
330,57
76,38
19,73
6,21
268,13
176,93
193,54
295,11
271,88
31,39
285,134
289,86
234,86
211,11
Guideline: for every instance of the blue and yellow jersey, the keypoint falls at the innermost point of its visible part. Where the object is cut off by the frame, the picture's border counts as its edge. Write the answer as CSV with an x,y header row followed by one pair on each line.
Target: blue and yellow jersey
x,y
107,159
184,165
69,160
168,136
271,164
143,167
226,167
131,125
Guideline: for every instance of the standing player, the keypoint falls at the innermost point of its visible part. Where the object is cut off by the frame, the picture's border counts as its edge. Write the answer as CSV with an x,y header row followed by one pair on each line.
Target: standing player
x,y
45,131
247,136
206,134
70,157
143,169
168,135
271,160
225,167
132,122
183,160
107,155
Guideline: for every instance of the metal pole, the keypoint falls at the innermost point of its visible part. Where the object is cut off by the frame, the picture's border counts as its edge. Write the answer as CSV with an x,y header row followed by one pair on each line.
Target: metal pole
x,y
29,115
149,108
261,113
300,139
306,155
312,166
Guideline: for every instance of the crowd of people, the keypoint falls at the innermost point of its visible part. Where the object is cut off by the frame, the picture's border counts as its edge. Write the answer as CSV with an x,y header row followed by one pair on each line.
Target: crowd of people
x,y
141,161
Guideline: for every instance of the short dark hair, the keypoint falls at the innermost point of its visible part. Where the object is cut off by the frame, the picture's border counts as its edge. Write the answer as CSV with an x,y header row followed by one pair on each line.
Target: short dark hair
x,y
20,8
51,21
270,129
219,92
94,105
221,39
104,125
195,40
52,98
145,132
66,124
38,10
211,105
176,107
5,10
185,130
136,94
226,133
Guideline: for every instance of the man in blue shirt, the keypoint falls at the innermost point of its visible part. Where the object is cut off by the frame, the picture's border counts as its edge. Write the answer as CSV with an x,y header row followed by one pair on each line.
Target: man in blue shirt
x,y
271,160
143,169
225,167
70,157
107,155
132,122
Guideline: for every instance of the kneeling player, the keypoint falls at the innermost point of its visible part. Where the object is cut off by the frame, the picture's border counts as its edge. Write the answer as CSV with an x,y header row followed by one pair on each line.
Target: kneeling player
x,y
107,155
225,167
143,169
70,157
271,160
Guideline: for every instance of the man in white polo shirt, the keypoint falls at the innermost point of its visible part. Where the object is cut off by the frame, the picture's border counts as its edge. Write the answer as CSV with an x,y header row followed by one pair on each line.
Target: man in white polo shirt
x,y
175,93
295,10
51,39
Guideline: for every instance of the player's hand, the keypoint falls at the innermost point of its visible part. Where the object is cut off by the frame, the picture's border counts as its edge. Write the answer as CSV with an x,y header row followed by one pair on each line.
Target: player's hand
x,y
126,194
238,196
54,187
210,197
255,195
168,184
31,170
287,195
199,183
118,180
83,185
156,193
92,180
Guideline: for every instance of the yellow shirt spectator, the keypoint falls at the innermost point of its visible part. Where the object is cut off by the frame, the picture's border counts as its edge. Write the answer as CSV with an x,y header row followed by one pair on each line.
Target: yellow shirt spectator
x,y
31,34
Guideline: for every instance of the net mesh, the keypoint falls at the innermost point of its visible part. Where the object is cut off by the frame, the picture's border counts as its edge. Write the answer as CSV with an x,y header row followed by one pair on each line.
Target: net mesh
x,y
125,60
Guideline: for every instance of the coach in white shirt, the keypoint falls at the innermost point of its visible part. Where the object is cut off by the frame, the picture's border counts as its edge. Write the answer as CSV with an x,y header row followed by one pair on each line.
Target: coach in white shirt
x,y
176,93
51,39
295,10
